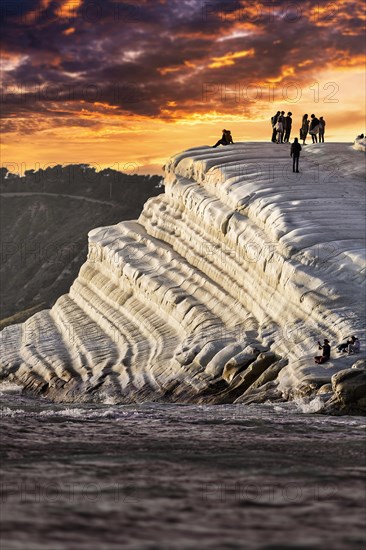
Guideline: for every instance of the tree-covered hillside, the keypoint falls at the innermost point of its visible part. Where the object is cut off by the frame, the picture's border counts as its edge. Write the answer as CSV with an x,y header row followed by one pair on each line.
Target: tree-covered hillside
x,y
45,219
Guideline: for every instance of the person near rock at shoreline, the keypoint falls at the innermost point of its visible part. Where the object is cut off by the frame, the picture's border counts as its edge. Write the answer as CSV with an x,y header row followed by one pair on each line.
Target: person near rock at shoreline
x,y
295,154
321,129
304,128
354,347
288,126
344,346
274,123
326,352
225,140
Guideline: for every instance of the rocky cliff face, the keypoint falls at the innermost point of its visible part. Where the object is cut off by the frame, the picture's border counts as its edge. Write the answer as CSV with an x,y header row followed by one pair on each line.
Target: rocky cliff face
x,y
218,293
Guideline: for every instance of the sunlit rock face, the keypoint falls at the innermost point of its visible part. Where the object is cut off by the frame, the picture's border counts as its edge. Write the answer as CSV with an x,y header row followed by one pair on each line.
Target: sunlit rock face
x,y
218,293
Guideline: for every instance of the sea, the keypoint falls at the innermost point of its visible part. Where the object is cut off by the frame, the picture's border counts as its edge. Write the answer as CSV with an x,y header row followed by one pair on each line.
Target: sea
x,y
166,476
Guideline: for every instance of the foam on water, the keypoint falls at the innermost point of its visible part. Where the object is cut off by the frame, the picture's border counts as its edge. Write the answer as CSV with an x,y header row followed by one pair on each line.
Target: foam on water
x,y
80,413
312,406
9,388
7,411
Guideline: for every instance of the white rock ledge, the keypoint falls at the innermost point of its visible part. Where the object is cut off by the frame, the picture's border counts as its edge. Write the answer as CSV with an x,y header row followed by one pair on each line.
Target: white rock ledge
x,y
218,293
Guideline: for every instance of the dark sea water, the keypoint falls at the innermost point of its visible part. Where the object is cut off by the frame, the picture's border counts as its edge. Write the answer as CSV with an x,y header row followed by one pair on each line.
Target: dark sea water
x,y
179,477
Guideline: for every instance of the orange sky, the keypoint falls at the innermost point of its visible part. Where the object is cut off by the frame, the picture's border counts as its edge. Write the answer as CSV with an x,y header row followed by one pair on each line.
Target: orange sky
x,y
86,99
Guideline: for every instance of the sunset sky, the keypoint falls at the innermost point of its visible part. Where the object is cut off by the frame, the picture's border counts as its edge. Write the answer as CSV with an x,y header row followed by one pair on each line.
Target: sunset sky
x,y
127,84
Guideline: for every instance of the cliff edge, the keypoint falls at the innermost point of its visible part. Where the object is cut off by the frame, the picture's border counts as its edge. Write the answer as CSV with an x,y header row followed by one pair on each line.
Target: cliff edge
x,y
219,292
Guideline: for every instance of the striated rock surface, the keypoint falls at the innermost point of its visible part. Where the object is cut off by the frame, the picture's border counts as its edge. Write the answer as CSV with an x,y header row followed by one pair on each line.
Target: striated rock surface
x,y
218,293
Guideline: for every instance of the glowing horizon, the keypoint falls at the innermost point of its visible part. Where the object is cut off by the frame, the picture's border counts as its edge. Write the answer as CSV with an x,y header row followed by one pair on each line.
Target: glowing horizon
x,y
82,91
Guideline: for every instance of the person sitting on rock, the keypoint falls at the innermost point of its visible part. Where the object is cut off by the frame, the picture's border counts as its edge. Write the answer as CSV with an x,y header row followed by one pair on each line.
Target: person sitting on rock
x,y
326,352
229,138
225,140
354,347
344,346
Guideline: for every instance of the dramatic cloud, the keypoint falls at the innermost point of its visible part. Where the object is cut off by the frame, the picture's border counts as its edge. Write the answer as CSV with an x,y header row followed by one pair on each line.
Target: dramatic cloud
x,y
88,62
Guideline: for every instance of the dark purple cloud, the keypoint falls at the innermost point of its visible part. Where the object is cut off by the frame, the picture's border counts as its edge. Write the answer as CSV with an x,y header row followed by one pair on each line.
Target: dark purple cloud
x,y
154,58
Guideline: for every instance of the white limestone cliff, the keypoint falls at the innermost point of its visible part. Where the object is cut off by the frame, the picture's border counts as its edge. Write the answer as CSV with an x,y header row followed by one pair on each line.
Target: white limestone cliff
x,y
218,293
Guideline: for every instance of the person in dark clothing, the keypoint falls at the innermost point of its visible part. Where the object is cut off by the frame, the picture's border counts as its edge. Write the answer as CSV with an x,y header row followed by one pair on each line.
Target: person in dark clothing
x,y
225,140
325,356
274,124
229,138
321,129
288,126
304,128
295,154
280,133
314,128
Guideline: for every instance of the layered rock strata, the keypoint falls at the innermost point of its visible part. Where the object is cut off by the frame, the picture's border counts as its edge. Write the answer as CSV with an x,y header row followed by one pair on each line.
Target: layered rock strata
x,y
218,293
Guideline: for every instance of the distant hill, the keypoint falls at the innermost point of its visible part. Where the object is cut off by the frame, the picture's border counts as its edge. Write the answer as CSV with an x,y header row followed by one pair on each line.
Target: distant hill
x,y
45,218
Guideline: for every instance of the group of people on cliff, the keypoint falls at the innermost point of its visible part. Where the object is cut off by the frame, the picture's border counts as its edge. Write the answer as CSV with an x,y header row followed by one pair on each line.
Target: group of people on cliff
x,y
282,125
351,346
281,132
314,127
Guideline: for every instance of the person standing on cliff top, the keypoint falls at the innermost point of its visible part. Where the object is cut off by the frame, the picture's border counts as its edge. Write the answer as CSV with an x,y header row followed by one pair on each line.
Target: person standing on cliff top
x,y
282,119
326,352
274,123
288,126
295,154
314,128
321,129
304,128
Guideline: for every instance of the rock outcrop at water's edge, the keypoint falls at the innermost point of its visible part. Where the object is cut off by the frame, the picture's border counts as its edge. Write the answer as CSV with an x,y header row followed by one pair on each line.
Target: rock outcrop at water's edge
x,y
218,293
360,144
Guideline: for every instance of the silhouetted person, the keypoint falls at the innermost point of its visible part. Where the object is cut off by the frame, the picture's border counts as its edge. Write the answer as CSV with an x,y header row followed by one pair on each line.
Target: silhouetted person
x,y
229,138
360,136
282,118
314,128
295,154
321,129
226,138
288,126
325,356
279,127
304,128
274,123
